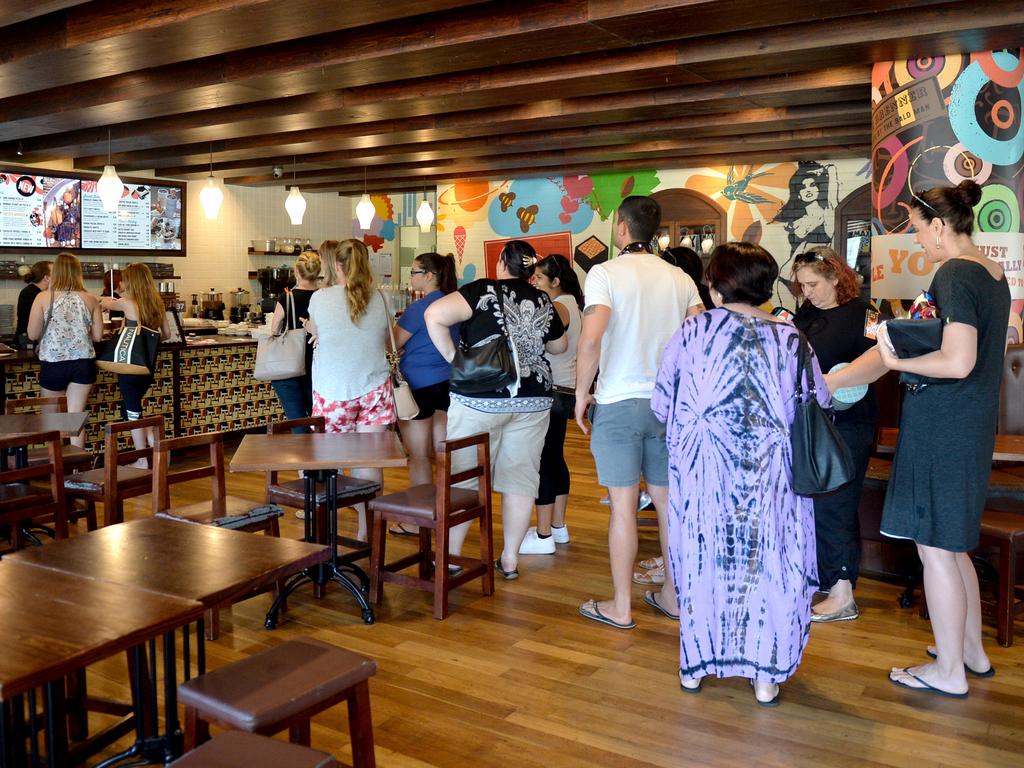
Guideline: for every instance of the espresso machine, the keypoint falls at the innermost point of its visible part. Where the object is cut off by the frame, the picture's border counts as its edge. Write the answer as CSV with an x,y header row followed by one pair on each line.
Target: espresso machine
x,y
239,305
273,282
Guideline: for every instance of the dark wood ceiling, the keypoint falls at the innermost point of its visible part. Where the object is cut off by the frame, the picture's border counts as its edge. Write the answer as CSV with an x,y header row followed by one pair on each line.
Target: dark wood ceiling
x,y
417,92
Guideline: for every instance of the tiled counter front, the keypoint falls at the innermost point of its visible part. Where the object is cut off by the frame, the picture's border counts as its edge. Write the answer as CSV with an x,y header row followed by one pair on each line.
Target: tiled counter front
x,y
196,389
218,392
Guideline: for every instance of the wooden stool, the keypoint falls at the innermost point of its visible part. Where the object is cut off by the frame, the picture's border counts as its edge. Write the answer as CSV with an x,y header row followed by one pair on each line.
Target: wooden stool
x,y
439,508
1004,530
283,687
235,749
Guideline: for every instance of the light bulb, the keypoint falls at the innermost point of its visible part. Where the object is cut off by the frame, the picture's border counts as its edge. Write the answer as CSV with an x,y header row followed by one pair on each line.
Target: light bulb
x,y
210,197
110,189
425,216
295,204
365,211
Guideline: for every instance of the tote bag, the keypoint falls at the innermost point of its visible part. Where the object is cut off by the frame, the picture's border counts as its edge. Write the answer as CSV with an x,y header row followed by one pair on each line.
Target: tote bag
x,y
282,355
405,403
821,460
133,350
488,366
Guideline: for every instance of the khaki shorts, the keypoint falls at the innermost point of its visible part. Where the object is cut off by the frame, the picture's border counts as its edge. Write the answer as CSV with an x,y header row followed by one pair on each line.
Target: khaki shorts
x,y
516,443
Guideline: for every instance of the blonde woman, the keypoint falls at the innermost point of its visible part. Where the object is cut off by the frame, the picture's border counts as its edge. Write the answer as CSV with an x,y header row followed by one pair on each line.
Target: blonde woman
x,y
296,394
66,320
141,304
349,322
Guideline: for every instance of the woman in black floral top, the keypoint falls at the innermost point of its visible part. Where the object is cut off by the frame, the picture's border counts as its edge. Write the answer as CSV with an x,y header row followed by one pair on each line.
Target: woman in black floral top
x,y
516,417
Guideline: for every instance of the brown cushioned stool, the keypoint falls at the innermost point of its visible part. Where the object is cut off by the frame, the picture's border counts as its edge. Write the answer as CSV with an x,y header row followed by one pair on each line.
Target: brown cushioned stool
x,y
283,687
234,749
1004,530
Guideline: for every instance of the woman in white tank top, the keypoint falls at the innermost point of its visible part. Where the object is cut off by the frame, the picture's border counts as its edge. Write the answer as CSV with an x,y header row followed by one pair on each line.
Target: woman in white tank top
x,y
556,277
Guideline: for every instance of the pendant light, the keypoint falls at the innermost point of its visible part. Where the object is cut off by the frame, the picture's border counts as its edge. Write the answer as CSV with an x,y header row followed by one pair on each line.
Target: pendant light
x,y
295,203
109,186
364,208
211,196
425,214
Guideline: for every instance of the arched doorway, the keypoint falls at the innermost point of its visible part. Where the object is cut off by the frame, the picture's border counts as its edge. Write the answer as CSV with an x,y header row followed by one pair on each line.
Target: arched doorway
x,y
853,234
690,215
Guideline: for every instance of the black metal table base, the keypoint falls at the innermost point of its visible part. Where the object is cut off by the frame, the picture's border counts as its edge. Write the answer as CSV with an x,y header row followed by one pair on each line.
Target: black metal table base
x,y
333,570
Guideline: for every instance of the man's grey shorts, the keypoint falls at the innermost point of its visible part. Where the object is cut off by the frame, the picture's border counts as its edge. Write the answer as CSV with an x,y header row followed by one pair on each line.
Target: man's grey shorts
x,y
628,439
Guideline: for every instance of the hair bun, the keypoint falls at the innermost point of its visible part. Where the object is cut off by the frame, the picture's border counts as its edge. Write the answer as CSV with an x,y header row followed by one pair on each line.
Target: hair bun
x,y
969,192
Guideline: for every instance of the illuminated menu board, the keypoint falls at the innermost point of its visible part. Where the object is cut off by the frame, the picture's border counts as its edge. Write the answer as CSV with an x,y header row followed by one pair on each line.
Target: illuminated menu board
x,y
45,211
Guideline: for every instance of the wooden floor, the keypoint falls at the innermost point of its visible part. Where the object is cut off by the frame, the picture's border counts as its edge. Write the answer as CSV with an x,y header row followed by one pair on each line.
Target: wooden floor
x,y
520,680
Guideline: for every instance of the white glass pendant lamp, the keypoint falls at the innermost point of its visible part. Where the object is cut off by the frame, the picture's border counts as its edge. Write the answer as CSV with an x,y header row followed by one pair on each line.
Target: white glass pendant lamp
x,y
211,195
425,215
295,203
109,186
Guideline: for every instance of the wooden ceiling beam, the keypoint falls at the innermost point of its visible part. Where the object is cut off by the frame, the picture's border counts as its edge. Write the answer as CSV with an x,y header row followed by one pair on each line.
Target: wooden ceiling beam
x,y
742,123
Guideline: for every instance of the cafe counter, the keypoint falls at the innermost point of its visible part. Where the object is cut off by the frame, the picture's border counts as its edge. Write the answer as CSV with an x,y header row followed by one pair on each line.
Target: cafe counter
x,y
202,387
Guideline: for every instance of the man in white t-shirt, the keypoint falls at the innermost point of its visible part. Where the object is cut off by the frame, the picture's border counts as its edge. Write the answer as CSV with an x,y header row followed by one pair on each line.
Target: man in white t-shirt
x,y
634,303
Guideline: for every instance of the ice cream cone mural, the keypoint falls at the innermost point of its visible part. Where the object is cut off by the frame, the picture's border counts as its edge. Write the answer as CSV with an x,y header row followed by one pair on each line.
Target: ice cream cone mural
x,y
460,241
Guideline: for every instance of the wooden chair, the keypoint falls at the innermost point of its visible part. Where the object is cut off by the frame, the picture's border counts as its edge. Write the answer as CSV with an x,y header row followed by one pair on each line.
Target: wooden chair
x,y
351,491
239,749
75,459
439,508
220,510
283,687
115,482
1002,527
21,499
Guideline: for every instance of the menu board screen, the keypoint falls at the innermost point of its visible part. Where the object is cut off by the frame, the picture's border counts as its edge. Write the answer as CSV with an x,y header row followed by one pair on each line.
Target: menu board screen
x,y
41,211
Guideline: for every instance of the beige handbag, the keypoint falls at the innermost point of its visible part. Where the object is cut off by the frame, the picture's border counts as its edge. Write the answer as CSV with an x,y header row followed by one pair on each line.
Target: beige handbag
x,y
283,355
405,403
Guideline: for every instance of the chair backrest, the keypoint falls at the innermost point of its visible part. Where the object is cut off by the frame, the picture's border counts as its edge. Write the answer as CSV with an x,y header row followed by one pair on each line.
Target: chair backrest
x,y
164,478
482,469
52,468
58,404
1011,395
308,424
113,458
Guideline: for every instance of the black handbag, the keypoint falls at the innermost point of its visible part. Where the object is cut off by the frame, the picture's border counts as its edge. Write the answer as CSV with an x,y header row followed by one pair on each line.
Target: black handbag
x,y
132,350
821,460
913,338
485,367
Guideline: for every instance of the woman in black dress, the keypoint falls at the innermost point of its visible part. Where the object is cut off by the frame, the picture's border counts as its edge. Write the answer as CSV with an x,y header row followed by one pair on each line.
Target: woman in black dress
x,y
940,475
38,279
833,317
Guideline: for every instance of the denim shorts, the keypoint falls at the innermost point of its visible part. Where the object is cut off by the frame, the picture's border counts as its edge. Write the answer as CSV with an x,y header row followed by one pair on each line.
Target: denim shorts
x,y
627,439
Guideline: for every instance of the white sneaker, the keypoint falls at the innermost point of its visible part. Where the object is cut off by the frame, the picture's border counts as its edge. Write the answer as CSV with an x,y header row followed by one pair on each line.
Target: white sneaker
x,y
645,501
535,545
560,535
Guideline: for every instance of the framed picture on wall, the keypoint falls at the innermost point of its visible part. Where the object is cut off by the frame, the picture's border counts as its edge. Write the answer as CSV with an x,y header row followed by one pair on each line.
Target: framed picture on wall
x,y
175,333
556,242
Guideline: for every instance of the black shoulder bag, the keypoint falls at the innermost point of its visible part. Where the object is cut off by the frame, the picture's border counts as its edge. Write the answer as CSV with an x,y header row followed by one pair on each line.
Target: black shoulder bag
x,y
486,367
821,460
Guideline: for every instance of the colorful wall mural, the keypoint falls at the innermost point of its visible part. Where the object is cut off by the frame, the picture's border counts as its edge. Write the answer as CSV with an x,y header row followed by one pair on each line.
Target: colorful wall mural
x,y
935,122
787,207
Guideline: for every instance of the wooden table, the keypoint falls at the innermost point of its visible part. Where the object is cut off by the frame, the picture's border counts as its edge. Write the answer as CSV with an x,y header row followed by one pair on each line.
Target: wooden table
x,y
1007,447
68,424
55,624
320,456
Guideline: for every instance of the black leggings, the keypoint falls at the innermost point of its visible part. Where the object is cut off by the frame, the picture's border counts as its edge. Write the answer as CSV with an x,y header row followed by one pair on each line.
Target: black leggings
x,y
554,472
133,388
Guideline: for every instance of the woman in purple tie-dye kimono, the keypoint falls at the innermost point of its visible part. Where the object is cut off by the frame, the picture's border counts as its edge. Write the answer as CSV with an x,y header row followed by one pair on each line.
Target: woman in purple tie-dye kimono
x,y
741,542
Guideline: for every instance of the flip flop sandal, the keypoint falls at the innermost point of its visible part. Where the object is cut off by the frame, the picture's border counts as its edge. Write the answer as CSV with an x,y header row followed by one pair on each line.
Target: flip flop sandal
x,y
924,687
589,610
399,529
652,563
652,578
990,672
651,600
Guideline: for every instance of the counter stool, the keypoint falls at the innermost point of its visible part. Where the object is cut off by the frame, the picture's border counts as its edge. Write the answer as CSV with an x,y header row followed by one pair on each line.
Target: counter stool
x,y
235,749
283,687
439,508
1004,530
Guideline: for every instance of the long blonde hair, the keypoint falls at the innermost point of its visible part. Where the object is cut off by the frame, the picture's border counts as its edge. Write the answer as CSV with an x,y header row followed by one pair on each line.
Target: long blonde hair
x,y
137,283
66,273
350,260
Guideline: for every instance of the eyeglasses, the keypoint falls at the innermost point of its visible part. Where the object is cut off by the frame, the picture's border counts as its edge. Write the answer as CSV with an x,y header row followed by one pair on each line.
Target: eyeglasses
x,y
419,271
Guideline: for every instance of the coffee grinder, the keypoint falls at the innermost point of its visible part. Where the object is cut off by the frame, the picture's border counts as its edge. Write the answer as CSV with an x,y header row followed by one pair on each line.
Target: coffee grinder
x,y
239,305
213,306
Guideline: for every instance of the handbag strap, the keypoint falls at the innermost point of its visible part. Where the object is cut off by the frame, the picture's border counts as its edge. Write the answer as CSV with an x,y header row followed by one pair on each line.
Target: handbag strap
x,y
393,354
803,355
290,321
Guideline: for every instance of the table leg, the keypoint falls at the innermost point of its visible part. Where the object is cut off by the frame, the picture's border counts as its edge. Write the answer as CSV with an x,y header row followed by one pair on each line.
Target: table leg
x,y
56,718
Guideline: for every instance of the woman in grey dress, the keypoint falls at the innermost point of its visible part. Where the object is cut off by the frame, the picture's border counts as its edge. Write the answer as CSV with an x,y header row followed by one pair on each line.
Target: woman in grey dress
x,y
940,475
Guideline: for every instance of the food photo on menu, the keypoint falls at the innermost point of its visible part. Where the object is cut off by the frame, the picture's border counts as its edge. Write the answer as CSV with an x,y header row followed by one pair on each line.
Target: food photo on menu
x,y
165,227
40,211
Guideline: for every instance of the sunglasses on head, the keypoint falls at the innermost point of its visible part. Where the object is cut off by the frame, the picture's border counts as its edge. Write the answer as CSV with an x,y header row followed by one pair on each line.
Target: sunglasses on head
x,y
810,257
